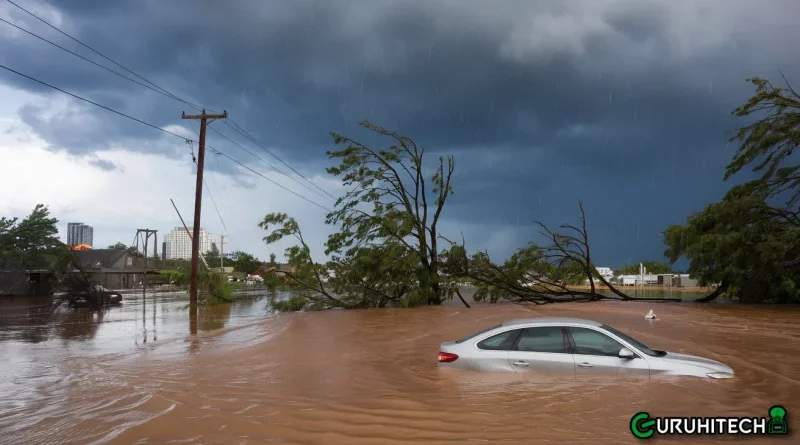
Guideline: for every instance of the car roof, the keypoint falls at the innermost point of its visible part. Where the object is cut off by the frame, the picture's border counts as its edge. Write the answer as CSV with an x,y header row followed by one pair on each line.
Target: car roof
x,y
551,321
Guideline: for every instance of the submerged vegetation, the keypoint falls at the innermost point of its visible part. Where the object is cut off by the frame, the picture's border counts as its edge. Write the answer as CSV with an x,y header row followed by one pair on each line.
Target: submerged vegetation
x,y
386,249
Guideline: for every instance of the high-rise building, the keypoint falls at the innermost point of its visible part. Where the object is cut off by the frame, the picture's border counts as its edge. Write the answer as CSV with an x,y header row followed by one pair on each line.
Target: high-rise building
x,y
80,233
179,243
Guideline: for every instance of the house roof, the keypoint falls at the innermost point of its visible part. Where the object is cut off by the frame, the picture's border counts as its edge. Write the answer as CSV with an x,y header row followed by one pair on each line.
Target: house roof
x,y
99,258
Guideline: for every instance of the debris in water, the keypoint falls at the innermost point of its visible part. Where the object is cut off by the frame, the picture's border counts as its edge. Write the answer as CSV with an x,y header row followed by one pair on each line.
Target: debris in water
x,y
650,315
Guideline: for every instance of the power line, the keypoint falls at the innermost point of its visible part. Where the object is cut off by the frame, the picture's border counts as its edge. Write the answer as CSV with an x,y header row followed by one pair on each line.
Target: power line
x,y
208,189
215,151
94,50
264,161
171,96
91,102
163,91
247,135
157,128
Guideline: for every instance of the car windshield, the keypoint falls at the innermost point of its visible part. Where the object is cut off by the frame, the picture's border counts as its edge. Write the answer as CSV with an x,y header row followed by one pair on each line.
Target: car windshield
x,y
638,345
477,334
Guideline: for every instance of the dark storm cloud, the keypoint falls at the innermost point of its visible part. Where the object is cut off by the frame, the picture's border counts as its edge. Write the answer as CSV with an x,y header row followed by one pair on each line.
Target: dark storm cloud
x,y
617,102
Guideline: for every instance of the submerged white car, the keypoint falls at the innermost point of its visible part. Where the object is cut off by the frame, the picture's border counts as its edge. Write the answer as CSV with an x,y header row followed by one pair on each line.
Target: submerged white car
x,y
569,346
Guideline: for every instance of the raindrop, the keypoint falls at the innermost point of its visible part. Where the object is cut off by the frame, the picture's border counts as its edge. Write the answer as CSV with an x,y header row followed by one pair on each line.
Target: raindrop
x,y
518,221
710,84
430,51
285,45
609,97
491,106
637,232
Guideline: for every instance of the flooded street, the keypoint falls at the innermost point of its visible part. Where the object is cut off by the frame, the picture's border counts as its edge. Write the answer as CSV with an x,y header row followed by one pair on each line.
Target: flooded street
x,y
363,376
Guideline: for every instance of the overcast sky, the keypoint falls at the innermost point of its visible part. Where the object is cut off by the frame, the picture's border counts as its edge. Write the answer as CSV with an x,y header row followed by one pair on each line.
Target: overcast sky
x,y
624,104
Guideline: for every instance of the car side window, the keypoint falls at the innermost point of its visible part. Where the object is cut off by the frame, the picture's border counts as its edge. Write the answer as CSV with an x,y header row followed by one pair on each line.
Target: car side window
x,y
591,342
500,342
543,339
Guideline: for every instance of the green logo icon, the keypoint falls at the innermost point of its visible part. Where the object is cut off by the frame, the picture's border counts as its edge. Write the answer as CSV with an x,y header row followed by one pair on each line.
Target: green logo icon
x,y
642,426
777,421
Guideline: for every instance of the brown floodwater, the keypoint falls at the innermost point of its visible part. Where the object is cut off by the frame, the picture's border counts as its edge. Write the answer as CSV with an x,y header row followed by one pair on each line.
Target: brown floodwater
x,y
365,377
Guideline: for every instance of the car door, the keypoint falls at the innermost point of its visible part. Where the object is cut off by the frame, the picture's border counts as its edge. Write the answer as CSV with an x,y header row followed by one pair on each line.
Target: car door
x,y
493,352
596,353
542,350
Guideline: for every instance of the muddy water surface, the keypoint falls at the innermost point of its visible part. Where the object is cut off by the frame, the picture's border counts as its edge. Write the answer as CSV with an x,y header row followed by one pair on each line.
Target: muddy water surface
x,y
370,377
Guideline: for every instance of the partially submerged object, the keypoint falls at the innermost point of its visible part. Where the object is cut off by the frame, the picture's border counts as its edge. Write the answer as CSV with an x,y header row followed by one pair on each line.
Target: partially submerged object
x,y
570,347
650,315
95,295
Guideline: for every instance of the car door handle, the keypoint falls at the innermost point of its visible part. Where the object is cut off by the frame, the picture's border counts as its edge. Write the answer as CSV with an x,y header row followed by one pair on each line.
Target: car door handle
x,y
523,364
585,365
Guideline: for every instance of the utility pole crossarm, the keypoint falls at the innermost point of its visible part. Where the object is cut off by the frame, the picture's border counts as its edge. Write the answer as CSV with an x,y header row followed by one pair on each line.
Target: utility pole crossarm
x,y
207,117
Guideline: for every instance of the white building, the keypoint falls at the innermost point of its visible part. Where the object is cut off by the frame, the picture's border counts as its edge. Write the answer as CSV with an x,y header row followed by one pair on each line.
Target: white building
x,y
178,243
604,272
638,280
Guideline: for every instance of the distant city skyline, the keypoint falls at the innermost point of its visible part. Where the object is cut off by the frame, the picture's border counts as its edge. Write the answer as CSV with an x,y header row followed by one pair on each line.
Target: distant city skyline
x,y
79,233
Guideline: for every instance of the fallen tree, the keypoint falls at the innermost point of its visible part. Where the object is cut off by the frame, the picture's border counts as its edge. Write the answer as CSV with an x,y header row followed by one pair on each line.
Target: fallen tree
x,y
384,251
750,240
540,274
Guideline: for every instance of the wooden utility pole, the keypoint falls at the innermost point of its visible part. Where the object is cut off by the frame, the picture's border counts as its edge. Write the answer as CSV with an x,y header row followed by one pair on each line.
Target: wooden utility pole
x,y
221,253
198,197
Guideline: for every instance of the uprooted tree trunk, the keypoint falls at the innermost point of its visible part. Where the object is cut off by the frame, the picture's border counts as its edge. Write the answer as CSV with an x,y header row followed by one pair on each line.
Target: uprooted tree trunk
x,y
542,275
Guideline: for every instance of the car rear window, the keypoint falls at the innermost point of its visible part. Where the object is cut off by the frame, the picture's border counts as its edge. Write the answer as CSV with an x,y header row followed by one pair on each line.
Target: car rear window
x,y
478,333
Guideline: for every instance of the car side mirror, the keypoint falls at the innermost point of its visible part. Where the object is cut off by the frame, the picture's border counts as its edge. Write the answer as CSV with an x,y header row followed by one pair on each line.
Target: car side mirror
x,y
626,353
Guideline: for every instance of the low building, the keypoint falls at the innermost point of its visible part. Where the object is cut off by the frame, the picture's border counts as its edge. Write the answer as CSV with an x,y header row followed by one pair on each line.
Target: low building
x,y
605,272
683,280
114,268
18,282
665,279
638,280
280,269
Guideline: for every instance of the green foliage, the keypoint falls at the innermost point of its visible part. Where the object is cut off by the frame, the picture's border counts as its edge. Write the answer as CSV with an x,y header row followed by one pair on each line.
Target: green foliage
x,y
178,277
379,276
743,244
217,288
385,252
652,267
308,278
31,243
272,261
122,246
769,142
390,202
295,303
749,242
533,274
244,262
212,256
